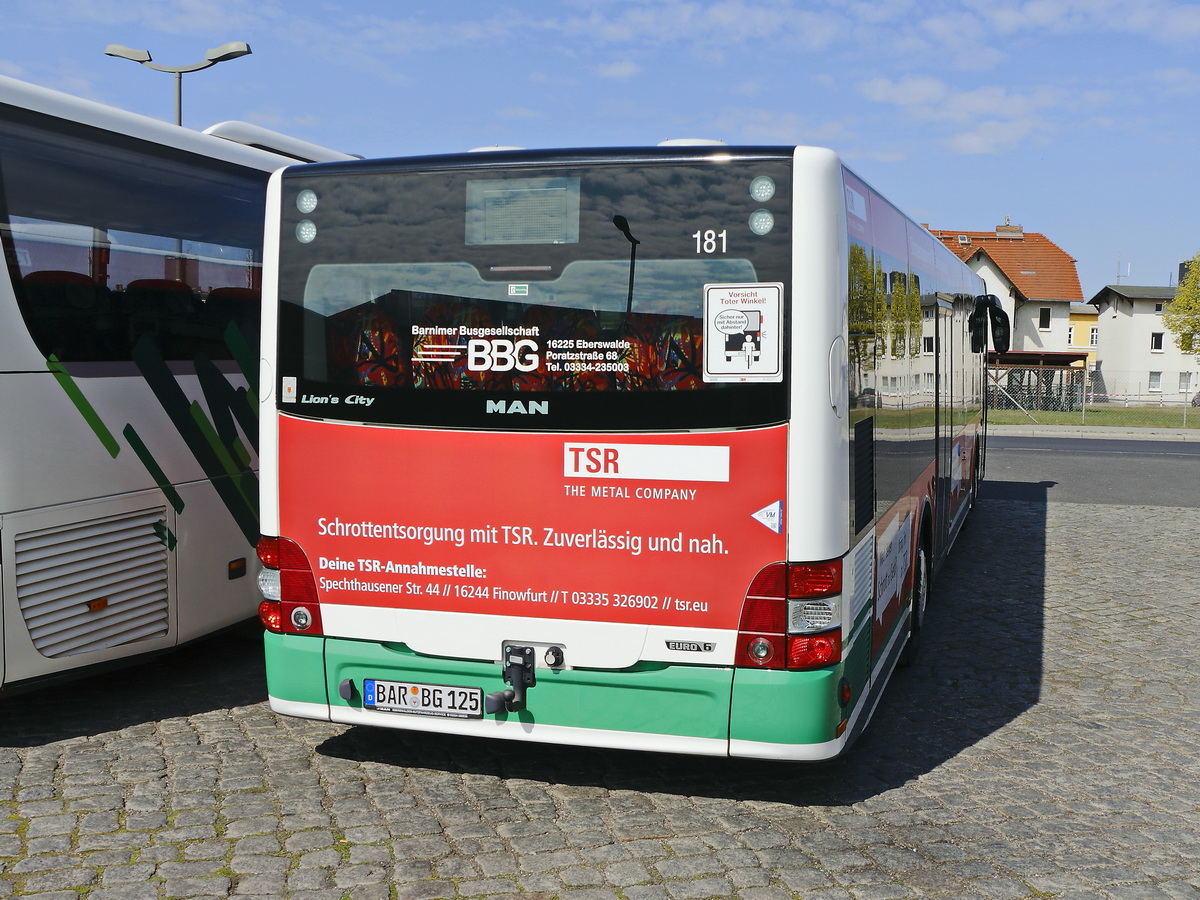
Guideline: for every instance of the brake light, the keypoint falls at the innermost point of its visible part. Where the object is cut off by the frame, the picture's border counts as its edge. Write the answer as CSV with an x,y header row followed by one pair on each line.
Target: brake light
x,y
792,617
270,613
290,604
812,651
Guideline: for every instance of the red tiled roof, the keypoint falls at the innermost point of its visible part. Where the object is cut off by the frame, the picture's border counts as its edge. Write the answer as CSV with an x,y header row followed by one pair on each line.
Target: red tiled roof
x,y
1036,266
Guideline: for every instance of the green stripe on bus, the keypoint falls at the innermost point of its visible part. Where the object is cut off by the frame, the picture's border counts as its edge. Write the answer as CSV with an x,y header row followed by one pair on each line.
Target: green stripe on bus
x,y
214,441
246,358
67,383
166,535
156,472
244,481
242,453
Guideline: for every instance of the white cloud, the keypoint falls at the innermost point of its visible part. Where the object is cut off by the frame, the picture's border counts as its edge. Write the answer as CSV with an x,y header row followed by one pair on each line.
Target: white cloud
x,y
770,126
1165,21
178,17
617,70
912,90
1177,81
984,119
993,136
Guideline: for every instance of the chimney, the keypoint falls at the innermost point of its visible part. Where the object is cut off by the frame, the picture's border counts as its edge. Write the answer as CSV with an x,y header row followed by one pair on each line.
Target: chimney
x,y
1012,232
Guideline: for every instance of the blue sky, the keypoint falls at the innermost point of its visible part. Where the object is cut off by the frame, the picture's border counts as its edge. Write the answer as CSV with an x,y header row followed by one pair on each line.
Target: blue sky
x,y
1074,118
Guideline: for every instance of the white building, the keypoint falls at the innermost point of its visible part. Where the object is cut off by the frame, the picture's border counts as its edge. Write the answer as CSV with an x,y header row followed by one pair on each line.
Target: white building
x,y
1035,279
1137,356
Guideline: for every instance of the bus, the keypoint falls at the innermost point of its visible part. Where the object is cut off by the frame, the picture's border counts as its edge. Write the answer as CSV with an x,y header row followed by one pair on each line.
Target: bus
x,y
129,312
655,449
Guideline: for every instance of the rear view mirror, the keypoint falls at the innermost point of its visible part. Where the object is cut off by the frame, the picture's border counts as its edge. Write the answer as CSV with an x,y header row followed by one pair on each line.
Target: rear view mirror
x,y
1001,330
978,325
988,311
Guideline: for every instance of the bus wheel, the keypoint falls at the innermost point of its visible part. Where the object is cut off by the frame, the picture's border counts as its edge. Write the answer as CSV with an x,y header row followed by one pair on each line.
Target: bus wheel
x,y
916,619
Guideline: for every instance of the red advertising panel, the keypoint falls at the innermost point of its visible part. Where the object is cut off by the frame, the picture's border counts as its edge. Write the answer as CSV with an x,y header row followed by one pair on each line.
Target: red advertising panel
x,y
650,529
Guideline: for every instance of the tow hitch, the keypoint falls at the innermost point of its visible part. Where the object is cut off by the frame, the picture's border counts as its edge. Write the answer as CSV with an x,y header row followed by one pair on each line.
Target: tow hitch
x,y
518,671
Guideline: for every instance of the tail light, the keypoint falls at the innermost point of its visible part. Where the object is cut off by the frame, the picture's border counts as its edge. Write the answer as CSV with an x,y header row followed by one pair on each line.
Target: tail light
x,y
792,617
289,590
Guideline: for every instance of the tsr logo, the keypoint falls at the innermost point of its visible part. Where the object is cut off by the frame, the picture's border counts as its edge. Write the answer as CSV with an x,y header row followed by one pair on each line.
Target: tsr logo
x,y
501,356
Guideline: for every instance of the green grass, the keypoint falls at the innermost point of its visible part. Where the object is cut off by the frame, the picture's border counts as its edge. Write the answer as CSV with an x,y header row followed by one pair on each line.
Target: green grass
x,y
1103,414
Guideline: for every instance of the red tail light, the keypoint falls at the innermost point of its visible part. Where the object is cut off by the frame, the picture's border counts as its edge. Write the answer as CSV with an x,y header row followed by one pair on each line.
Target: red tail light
x,y
812,651
290,603
270,613
763,639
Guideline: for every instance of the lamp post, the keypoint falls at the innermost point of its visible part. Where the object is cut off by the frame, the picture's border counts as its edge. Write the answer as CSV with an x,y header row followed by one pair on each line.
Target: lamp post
x,y
232,50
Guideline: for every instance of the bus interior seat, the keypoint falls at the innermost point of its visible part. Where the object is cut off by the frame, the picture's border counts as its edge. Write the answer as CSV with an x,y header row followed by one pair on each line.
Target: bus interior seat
x,y
165,310
72,317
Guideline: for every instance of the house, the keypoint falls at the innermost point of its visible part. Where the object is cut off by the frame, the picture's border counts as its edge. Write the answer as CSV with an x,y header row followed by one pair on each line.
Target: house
x,y
1083,332
1138,358
1036,281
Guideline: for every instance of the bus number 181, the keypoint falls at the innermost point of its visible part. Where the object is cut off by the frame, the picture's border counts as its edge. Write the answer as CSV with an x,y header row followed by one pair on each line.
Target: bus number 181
x,y
710,241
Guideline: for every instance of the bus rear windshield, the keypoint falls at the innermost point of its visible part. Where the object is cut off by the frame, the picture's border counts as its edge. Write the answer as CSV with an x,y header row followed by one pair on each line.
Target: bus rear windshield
x,y
583,298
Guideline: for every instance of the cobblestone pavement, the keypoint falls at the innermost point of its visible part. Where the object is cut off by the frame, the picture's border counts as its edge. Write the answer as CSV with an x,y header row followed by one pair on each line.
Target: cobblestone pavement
x,y
1046,745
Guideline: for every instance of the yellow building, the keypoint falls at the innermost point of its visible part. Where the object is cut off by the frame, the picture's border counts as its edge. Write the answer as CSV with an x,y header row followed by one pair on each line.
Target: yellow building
x,y
1083,331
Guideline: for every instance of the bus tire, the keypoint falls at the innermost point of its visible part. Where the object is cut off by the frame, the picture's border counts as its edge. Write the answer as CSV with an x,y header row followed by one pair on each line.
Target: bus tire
x,y
916,619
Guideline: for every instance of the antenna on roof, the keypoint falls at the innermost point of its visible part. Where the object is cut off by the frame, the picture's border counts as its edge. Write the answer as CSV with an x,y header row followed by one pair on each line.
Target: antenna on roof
x,y
1127,265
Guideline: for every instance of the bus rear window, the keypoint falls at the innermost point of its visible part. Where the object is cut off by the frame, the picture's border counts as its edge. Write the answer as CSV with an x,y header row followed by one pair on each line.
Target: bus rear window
x,y
582,290
442,328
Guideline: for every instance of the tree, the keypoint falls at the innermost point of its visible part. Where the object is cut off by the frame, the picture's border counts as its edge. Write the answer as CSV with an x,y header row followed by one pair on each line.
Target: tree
x,y
914,316
1182,315
862,313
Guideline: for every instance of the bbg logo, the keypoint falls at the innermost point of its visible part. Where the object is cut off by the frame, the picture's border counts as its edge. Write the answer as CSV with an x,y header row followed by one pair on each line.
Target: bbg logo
x,y
501,355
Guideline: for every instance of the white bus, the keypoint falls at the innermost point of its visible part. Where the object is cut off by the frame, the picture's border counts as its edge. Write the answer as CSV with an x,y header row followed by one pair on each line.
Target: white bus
x,y
128,353
651,448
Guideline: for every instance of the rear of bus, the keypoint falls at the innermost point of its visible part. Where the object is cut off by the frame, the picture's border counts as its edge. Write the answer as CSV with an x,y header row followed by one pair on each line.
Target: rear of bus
x,y
557,449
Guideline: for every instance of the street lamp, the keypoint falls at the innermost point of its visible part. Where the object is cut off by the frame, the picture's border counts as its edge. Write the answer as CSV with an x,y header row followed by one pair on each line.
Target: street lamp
x,y
232,50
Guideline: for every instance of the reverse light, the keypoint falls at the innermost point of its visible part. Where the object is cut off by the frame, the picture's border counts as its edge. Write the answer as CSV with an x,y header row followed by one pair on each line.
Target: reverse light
x,y
792,617
289,590
301,618
761,650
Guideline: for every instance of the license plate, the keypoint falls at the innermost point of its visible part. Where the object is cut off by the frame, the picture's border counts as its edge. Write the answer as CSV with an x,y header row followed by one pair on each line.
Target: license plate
x,y
423,699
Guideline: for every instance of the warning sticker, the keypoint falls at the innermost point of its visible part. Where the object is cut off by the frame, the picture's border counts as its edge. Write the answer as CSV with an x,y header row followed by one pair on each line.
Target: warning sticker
x,y
743,332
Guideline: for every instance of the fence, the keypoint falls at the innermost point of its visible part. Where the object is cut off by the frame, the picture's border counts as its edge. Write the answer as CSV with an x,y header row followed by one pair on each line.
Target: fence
x,y
1073,396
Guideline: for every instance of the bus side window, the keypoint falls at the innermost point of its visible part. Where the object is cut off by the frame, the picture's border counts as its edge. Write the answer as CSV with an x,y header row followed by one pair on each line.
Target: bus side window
x,y
72,317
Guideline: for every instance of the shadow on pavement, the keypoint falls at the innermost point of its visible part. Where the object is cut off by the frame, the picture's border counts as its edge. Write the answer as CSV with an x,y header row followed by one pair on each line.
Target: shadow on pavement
x,y
1021,491
980,667
218,672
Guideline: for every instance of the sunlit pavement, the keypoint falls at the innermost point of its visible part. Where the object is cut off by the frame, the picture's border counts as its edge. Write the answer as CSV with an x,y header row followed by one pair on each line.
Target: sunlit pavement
x,y
1046,744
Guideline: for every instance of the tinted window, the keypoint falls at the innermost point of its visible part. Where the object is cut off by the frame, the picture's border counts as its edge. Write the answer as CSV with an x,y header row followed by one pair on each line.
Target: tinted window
x,y
574,293
109,240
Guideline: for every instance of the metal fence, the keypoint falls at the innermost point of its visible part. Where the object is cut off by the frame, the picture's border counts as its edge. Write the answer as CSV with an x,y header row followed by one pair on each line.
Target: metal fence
x,y
1061,396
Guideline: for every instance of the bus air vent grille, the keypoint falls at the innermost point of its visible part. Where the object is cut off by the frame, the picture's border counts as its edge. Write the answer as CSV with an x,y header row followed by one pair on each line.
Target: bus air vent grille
x,y
94,584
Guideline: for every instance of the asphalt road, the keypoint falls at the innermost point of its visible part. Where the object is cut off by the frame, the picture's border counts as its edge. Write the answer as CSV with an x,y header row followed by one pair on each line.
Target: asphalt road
x,y
1045,745
1165,474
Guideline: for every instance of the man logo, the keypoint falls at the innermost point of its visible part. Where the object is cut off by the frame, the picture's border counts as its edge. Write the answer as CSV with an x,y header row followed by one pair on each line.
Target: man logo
x,y
692,646
519,407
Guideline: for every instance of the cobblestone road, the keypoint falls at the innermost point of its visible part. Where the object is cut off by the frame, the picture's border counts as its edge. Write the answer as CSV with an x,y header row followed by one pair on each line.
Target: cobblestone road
x,y
1046,745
